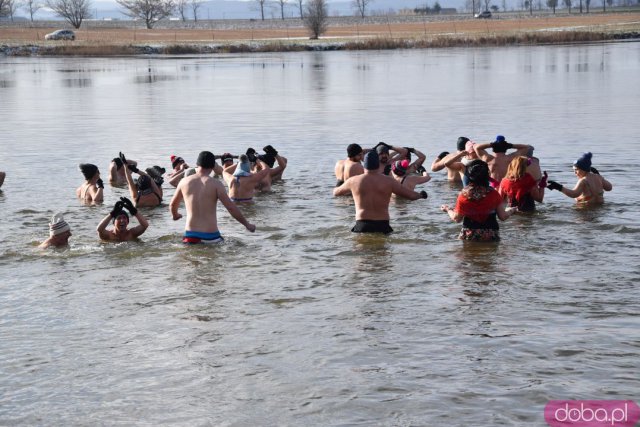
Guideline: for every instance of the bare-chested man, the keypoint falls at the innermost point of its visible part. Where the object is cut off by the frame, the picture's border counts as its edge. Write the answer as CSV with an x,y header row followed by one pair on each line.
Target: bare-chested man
x,y
120,231
201,193
241,181
455,169
499,161
92,189
269,160
590,188
372,192
351,166
117,174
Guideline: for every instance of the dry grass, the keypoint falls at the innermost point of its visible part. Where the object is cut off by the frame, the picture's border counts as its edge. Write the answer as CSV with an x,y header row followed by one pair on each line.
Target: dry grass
x,y
457,32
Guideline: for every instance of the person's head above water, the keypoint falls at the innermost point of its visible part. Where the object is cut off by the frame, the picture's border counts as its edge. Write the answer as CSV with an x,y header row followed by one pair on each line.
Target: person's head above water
x,y
88,170
500,145
584,162
461,143
206,160
478,172
400,167
58,226
176,161
371,161
353,150
244,166
226,159
143,183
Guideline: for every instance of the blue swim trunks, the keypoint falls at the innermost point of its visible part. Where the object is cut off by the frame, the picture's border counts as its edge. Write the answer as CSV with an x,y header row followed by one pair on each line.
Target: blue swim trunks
x,y
193,237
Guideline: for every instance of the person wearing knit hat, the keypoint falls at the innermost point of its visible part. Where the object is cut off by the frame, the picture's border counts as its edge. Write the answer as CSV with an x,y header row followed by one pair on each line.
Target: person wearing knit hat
x,y
59,233
179,167
590,188
371,193
275,173
351,166
117,175
400,172
387,158
121,231
499,161
145,192
455,162
92,189
242,181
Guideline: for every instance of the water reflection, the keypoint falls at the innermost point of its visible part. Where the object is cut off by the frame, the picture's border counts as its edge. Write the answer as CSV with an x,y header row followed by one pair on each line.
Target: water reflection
x,y
318,72
76,82
7,84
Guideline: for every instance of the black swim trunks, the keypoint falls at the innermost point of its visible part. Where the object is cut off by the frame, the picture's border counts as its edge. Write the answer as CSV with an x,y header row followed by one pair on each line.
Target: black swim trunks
x,y
372,226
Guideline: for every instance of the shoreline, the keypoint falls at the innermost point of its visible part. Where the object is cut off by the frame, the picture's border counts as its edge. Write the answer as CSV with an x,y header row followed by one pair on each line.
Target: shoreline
x,y
120,39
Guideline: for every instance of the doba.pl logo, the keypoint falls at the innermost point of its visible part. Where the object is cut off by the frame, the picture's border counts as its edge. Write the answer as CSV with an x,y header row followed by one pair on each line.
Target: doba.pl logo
x,y
592,413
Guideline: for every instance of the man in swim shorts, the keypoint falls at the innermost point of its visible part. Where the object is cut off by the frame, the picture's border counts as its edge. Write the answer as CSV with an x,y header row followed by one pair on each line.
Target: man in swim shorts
x,y
351,166
372,192
59,233
120,218
201,193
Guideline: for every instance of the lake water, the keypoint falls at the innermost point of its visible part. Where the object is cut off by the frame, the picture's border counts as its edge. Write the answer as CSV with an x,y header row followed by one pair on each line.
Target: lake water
x,y
303,322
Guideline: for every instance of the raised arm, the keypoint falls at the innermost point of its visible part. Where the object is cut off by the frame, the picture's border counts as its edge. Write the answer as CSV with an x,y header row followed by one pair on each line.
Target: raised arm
x,y
233,209
481,152
282,165
102,228
141,227
133,190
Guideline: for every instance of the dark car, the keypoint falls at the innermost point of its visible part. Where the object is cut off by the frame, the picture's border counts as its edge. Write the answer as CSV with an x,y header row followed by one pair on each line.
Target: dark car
x,y
485,14
61,35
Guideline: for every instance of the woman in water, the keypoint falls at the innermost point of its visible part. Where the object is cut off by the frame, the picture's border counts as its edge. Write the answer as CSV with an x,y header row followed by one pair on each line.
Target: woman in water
x,y
478,205
92,189
590,188
519,188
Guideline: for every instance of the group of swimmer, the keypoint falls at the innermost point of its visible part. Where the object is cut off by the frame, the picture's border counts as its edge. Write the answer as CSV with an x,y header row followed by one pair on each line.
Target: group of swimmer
x,y
195,187
496,185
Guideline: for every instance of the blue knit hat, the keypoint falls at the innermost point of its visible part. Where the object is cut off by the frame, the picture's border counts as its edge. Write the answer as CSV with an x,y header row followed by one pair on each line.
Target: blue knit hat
x,y
584,162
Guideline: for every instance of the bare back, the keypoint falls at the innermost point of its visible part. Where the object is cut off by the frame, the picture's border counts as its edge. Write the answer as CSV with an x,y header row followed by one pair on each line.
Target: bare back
x,y
592,190
200,195
372,193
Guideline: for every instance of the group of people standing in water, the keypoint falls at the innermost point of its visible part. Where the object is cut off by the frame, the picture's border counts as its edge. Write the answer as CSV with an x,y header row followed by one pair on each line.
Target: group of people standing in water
x,y
496,185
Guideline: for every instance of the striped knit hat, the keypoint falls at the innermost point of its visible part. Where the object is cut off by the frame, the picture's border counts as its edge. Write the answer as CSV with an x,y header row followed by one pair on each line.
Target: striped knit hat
x,y
58,225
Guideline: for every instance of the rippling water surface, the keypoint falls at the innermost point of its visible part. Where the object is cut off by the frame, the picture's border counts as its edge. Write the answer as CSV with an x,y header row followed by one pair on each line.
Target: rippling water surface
x,y
304,323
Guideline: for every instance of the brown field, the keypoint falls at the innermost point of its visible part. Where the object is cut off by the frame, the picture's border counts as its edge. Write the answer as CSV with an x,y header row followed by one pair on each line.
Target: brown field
x,y
462,27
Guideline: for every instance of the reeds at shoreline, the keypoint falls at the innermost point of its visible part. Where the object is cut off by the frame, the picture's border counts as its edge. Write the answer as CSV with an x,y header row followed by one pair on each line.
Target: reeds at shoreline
x,y
373,43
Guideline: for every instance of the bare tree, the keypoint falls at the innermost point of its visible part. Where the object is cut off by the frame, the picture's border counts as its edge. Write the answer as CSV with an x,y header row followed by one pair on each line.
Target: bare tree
x,y
181,7
587,3
195,6
487,3
300,7
151,11
282,3
504,5
567,3
4,9
552,4
31,7
361,6
261,7
74,11
315,18
12,7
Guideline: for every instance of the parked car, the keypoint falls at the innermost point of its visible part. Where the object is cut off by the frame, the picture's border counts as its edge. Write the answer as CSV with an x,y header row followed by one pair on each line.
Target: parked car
x,y
61,35
485,14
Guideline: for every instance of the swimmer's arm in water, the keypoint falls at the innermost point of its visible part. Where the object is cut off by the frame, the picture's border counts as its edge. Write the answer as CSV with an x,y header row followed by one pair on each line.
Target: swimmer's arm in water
x,y
174,204
344,189
399,190
606,185
577,190
453,214
537,193
503,213
282,165
233,208
141,227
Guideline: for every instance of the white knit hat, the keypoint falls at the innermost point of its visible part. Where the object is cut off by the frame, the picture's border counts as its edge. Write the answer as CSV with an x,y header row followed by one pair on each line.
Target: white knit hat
x,y
58,225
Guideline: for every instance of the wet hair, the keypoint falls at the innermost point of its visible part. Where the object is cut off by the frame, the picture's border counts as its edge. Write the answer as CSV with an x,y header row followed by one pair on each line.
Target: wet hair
x,y
462,141
477,171
517,168
206,160
88,170
353,150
